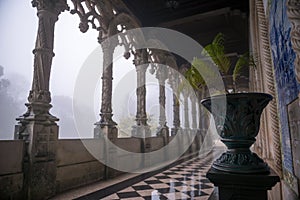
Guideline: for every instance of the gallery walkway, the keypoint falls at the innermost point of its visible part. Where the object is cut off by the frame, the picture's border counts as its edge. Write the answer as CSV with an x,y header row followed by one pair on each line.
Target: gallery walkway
x,y
184,179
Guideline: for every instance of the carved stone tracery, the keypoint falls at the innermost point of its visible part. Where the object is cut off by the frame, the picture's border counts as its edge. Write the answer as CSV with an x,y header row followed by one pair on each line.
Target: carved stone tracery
x,y
109,18
263,80
293,12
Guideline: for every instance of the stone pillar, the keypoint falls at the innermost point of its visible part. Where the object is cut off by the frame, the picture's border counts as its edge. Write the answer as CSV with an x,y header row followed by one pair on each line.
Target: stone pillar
x,y
141,129
186,112
37,126
203,118
176,105
163,129
194,130
194,113
242,186
106,125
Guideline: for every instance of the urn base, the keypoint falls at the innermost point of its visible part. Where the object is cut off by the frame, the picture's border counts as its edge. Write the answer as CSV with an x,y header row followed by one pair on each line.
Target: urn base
x,y
241,162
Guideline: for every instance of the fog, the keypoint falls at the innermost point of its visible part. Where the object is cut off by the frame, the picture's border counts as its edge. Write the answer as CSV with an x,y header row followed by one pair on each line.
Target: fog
x,y
18,22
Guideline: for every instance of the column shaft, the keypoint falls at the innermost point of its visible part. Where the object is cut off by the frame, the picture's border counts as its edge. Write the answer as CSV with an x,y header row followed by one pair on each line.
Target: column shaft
x,y
163,129
106,125
141,129
37,126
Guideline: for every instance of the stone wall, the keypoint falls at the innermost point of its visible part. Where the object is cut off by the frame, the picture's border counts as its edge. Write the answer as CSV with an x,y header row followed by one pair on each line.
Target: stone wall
x,y
76,165
11,171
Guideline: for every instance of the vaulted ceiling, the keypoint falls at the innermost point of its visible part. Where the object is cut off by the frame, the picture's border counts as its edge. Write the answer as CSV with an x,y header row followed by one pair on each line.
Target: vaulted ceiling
x,y
199,19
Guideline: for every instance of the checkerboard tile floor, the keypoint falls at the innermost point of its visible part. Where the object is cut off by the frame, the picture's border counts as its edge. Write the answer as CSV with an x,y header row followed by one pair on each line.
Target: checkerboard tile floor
x,y
184,181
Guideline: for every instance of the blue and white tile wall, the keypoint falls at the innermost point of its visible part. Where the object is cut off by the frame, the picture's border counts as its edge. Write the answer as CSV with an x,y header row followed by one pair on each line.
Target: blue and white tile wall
x,y
283,59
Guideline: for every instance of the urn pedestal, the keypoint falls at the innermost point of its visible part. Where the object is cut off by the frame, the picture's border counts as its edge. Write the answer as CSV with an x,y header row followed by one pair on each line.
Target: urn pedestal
x,y
239,173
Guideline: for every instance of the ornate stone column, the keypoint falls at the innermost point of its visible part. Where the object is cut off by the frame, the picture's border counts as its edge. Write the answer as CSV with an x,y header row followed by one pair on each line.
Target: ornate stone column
x,y
163,129
37,126
194,113
106,125
141,129
203,119
186,112
176,106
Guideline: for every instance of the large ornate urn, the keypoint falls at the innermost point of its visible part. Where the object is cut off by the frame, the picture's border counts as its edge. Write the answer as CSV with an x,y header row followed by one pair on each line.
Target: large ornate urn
x,y
237,119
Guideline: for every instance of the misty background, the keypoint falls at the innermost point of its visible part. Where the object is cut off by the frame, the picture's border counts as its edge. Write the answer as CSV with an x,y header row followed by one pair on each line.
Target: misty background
x,y
18,22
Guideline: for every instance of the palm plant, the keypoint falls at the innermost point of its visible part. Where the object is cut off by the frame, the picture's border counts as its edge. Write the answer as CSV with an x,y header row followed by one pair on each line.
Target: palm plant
x,y
216,51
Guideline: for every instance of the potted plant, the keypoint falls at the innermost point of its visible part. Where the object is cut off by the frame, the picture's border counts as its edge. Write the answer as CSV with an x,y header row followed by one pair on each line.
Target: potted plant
x,y
216,51
236,115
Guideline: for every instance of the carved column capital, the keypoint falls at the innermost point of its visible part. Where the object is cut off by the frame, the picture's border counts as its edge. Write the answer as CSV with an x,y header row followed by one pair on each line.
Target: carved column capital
x,y
140,57
53,6
293,12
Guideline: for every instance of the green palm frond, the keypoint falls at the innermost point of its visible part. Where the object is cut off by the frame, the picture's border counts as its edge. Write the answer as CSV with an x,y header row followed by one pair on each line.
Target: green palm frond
x,y
194,76
216,51
242,63
202,72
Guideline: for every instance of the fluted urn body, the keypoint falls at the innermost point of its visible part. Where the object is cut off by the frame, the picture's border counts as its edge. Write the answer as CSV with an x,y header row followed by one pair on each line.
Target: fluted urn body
x,y
237,119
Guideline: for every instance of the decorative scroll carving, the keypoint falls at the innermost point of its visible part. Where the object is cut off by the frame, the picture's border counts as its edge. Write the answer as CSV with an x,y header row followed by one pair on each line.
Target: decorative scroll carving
x,y
293,12
104,16
240,160
108,17
98,14
266,78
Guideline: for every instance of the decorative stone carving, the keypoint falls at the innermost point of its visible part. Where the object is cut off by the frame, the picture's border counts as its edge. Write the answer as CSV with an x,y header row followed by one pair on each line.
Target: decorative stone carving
x,y
107,77
140,61
141,129
237,122
39,97
186,110
173,81
176,105
161,75
194,112
37,126
108,17
263,79
293,12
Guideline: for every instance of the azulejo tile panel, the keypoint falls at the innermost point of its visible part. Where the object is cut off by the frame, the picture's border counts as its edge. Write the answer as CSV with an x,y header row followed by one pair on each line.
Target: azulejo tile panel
x,y
283,59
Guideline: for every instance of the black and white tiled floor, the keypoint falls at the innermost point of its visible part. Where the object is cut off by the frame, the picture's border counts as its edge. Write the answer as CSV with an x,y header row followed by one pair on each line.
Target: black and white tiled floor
x,y
184,181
